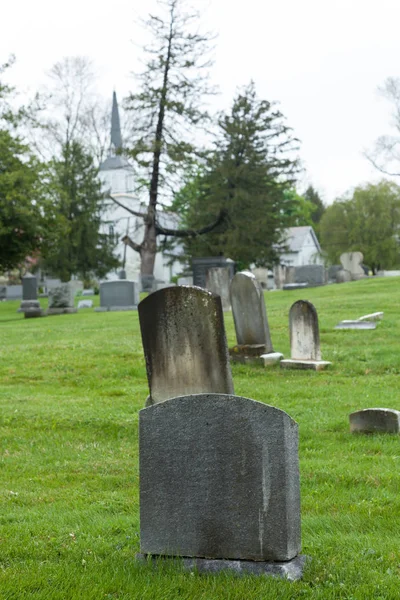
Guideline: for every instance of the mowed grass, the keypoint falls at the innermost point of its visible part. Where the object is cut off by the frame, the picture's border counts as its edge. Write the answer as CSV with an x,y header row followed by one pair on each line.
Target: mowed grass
x,y
71,387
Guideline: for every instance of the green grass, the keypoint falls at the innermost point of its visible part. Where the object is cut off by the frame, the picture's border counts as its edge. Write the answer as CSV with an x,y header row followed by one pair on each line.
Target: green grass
x,y
71,387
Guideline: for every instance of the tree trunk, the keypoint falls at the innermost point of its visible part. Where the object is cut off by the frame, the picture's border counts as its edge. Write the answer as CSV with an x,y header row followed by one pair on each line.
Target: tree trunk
x,y
148,249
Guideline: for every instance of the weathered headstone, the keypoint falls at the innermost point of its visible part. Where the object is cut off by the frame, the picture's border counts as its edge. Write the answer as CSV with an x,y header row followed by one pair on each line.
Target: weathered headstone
x,y
200,266
217,281
351,261
376,316
227,486
120,294
343,276
375,420
251,322
30,305
61,300
85,304
313,275
304,338
184,343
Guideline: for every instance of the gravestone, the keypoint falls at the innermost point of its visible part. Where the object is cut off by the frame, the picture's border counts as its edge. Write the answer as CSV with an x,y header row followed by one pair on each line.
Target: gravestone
x,y
120,294
313,275
355,325
217,281
30,305
351,261
61,300
184,343
332,272
375,420
85,304
343,276
88,292
219,482
251,322
376,316
200,266
14,292
147,283
304,338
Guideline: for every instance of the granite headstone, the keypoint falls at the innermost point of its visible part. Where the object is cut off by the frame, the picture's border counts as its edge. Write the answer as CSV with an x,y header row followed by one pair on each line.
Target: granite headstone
x,y
375,420
120,294
217,281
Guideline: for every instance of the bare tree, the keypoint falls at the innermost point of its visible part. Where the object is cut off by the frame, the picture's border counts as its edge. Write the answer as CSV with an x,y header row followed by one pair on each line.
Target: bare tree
x,y
166,114
385,156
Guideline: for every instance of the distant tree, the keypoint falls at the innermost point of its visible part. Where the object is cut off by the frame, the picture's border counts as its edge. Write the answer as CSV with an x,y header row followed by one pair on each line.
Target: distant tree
x,y
313,196
249,175
369,221
79,247
299,210
166,112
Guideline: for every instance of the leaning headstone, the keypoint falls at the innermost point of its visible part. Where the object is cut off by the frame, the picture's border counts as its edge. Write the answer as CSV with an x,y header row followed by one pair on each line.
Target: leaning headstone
x,y
30,305
251,322
217,281
356,325
351,261
375,420
376,316
219,483
85,304
120,294
184,343
304,338
61,300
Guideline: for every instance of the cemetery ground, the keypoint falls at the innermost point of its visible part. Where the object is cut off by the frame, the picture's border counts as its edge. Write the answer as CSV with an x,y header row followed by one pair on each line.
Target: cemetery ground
x,y
71,387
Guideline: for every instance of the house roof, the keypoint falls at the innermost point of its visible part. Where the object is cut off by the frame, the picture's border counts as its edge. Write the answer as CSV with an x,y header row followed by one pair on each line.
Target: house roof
x,y
296,236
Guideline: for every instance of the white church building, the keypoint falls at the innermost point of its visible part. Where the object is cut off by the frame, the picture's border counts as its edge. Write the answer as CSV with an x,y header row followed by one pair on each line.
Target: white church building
x,y
117,176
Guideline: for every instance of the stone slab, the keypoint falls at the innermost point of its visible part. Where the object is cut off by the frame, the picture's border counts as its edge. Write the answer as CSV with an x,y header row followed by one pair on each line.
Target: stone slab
x,y
31,309
271,358
294,286
315,365
352,261
375,420
310,274
184,343
291,570
89,292
119,293
85,304
61,311
219,478
249,311
348,324
376,316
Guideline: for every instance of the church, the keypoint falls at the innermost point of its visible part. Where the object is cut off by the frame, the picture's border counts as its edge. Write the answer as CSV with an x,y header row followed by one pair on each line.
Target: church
x,y
117,177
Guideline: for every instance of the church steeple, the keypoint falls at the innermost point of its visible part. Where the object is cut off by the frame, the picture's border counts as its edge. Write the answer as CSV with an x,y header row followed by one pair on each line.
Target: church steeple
x,y
116,138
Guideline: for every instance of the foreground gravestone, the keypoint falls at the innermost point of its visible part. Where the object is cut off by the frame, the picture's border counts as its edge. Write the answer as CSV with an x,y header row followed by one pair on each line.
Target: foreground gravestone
x,y
184,343
61,300
251,322
375,420
305,347
30,305
120,294
351,262
219,481
217,282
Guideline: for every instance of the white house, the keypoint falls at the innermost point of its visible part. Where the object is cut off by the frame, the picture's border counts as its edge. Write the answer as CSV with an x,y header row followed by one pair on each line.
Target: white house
x,y
302,248
117,176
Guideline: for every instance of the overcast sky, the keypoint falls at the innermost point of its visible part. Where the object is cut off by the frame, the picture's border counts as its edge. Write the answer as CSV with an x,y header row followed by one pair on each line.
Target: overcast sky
x,y
322,60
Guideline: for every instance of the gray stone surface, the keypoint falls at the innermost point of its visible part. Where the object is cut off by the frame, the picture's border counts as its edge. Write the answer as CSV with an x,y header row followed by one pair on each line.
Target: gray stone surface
x,y
351,261
219,478
184,343
295,286
147,283
200,267
85,304
3,292
29,287
371,420
61,311
217,282
88,292
14,292
304,338
119,293
310,274
376,316
249,311
343,276
348,324
332,272
291,570
61,296
31,309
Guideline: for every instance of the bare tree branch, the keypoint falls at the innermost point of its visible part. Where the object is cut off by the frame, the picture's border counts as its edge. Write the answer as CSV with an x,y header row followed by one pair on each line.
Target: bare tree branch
x,y
182,233
136,213
129,242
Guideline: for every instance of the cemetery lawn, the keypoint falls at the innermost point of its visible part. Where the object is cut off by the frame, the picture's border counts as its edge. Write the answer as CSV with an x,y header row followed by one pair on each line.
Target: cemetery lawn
x,y
71,387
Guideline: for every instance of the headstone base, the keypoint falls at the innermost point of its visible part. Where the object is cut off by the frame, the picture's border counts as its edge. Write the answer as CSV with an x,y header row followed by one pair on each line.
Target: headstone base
x,y
356,325
114,308
291,570
61,311
315,365
31,309
254,355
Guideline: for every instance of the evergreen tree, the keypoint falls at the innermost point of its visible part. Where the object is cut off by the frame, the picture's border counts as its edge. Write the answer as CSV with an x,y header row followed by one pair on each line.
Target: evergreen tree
x,y
79,246
248,176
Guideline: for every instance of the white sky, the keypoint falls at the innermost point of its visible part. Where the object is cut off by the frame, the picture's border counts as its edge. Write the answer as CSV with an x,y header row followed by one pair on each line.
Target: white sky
x,y
321,59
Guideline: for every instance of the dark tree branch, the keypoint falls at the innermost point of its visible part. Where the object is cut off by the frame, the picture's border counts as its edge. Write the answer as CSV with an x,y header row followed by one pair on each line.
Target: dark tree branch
x,y
183,233
129,242
381,169
136,213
